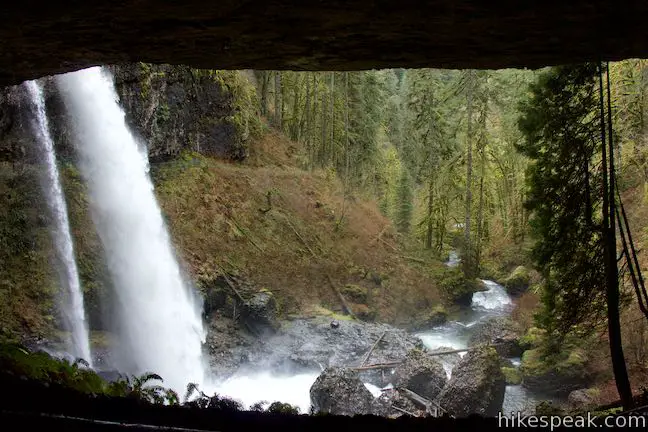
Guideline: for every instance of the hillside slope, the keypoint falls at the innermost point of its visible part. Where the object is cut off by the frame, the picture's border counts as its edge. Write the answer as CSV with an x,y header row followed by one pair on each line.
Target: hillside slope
x,y
289,231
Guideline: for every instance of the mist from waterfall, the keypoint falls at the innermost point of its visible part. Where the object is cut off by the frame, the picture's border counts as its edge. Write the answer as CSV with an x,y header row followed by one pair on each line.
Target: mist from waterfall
x,y
158,321
71,298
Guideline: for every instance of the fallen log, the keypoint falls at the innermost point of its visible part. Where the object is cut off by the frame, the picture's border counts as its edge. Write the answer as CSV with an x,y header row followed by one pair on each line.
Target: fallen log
x,y
377,366
366,357
404,411
341,297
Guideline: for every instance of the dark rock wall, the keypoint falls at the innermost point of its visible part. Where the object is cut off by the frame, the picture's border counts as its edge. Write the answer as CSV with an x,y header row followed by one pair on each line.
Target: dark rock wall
x,y
170,108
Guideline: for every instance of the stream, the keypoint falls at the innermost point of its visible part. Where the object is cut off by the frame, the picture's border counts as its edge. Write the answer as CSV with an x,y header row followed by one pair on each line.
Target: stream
x,y
250,388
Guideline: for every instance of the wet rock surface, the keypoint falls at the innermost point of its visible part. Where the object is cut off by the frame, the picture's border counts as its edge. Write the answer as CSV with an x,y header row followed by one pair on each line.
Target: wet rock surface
x,y
340,391
259,313
307,344
501,332
421,373
477,385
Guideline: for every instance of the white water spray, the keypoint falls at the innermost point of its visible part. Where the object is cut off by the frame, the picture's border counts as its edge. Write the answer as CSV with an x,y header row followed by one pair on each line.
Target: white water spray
x,y
160,326
71,301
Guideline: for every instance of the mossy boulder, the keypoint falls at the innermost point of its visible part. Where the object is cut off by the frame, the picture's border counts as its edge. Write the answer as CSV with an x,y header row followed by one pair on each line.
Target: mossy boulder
x,y
457,289
477,385
437,316
555,374
512,375
502,332
355,293
518,281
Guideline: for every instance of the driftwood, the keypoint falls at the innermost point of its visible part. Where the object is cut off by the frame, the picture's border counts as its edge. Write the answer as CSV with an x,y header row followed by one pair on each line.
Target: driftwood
x,y
423,402
433,354
396,363
417,399
377,366
404,411
340,296
373,347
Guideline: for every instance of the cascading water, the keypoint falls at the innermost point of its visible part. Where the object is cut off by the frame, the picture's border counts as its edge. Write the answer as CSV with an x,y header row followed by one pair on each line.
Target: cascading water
x,y
159,325
71,301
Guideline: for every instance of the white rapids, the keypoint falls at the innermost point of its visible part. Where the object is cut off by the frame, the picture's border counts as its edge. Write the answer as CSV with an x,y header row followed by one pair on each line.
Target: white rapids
x,y
158,324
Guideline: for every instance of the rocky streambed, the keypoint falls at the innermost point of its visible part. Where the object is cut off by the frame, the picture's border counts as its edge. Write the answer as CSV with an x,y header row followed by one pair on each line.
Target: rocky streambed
x,y
352,367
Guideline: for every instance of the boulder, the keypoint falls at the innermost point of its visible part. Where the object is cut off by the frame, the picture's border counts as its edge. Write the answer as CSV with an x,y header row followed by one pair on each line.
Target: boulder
x,y
435,317
583,399
339,391
502,332
555,375
310,344
477,385
260,313
420,373
448,361
518,281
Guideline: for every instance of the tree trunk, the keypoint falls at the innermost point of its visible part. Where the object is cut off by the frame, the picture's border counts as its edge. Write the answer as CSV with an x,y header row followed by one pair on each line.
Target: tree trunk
x,y
347,150
295,109
480,211
468,252
265,84
323,147
277,99
611,270
307,123
332,153
430,219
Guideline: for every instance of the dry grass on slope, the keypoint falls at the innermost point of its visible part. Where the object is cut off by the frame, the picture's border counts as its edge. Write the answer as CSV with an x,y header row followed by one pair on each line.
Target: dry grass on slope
x,y
219,217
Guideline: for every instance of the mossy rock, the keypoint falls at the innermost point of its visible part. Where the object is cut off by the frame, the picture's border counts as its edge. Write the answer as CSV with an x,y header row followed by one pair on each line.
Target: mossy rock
x,y
355,293
512,375
458,289
435,317
518,281
556,374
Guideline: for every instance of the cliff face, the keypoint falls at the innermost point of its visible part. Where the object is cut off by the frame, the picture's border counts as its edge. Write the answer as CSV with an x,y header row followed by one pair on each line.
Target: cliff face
x,y
176,108
173,110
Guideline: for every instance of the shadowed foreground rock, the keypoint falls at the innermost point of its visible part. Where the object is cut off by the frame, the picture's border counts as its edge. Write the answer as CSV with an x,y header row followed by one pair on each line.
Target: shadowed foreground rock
x,y
339,391
477,385
421,373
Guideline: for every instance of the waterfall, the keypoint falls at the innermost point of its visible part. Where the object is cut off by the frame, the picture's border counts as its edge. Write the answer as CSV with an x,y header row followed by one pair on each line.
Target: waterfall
x,y
71,301
158,321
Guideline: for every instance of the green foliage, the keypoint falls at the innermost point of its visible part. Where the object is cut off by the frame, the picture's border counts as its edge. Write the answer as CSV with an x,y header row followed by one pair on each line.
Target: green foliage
x,y
512,375
561,130
355,293
404,205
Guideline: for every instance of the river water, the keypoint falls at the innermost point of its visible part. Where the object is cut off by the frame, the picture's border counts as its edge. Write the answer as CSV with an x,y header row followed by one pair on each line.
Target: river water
x,y
294,389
